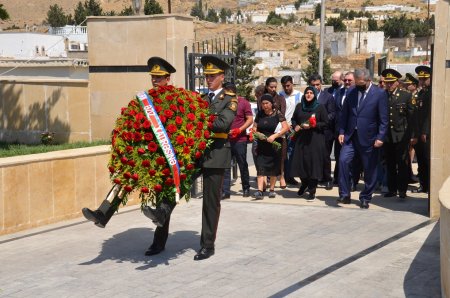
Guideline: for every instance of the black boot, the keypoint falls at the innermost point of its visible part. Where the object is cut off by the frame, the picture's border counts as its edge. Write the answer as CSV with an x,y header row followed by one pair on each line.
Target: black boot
x,y
160,214
103,214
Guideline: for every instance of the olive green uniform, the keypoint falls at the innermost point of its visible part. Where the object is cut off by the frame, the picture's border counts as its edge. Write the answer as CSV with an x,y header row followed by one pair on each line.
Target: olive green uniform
x,y
216,159
401,129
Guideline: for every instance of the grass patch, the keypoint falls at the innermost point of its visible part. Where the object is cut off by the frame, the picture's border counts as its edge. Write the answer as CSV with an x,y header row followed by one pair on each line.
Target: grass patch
x,y
8,150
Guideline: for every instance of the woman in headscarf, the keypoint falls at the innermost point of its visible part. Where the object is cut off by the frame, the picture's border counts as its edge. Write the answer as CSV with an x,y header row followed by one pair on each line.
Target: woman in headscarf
x,y
309,121
268,158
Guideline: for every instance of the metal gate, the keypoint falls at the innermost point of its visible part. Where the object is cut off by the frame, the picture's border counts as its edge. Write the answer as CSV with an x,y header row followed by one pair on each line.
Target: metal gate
x,y
195,80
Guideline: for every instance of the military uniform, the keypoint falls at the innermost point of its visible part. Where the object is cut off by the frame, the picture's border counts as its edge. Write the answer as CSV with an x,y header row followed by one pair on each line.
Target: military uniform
x,y
216,158
402,127
422,148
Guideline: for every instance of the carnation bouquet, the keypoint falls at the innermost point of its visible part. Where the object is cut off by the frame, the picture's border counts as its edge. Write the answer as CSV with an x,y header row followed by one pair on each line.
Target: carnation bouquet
x,y
311,123
263,137
138,158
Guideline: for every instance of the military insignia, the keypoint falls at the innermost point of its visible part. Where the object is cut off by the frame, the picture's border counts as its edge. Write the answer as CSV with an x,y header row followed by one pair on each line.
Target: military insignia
x,y
222,96
390,76
209,66
156,68
233,106
413,101
230,93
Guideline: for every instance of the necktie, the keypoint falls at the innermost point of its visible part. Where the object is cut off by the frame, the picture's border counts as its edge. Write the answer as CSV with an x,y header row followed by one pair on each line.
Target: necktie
x,y
211,96
361,98
343,97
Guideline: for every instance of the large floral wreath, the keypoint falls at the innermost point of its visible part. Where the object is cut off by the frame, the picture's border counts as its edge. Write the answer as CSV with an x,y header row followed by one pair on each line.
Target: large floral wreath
x,y
137,161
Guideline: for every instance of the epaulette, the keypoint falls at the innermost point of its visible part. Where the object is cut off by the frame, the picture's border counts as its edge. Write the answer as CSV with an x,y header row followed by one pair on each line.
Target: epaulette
x,y
229,93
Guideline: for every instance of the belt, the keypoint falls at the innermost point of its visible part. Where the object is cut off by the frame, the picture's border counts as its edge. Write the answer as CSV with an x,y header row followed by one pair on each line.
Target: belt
x,y
220,135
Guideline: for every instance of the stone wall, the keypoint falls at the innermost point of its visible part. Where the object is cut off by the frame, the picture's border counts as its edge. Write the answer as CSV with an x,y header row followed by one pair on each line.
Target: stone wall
x,y
40,189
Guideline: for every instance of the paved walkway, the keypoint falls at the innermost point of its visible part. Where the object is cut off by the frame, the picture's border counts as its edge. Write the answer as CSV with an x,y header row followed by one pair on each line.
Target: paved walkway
x,y
277,247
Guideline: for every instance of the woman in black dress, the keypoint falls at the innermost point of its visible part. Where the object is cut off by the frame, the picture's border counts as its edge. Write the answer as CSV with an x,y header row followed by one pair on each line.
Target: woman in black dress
x,y
268,159
309,121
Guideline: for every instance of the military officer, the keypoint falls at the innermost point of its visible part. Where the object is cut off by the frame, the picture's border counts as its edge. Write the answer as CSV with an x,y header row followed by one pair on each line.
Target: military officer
x,y
402,131
424,121
412,85
218,157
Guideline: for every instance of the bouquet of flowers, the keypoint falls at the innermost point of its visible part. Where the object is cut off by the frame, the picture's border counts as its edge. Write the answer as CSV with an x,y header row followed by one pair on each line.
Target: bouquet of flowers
x,y
262,137
137,160
311,122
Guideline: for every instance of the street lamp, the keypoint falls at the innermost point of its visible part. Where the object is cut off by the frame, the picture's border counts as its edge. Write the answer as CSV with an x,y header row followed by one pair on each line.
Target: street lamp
x,y
322,36
136,6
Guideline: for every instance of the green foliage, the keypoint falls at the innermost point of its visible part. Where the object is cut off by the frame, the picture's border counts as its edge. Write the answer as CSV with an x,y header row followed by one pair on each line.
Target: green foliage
x,y
8,149
274,19
109,13
89,8
367,3
401,26
224,13
244,67
56,16
351,15
3,13
307,21
152,7
127,11
313,59
372,25
337,24
299,2
212,16
197,10
317,11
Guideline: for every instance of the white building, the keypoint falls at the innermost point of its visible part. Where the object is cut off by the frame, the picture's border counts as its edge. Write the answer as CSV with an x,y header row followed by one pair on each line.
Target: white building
x,y
271,58
391,7
285,9
76,36
348,43
257,16
24,45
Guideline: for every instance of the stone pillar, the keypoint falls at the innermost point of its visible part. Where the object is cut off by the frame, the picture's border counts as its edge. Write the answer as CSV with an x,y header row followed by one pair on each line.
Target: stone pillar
x,y
119,48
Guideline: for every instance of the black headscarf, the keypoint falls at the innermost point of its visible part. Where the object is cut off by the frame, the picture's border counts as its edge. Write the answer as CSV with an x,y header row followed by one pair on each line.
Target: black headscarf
x,y
310,106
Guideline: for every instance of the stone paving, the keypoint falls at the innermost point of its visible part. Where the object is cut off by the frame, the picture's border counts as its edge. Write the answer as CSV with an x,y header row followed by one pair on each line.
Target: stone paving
x,y
263,249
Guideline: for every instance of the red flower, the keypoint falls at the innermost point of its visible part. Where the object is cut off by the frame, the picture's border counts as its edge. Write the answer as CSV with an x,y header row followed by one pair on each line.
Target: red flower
x,y
135,177
190,141
157,187
152,172
146,124
145,163
111,169
148,136
198,155
190,167
212,118
129,149
198,134
191,117
183,176
166,172
128,188
180,101
169,181
202,146
171,128
124,160
127,175
192,107
312,121
186,150
160,161
152,92
168,113
152,147
131,163
137,137
202,116
132,112
174,108
158,109
163,118
117,181
141,151
180,163
206,134
189,126
123,110
180,139
178,120
182,109
145,189
169,97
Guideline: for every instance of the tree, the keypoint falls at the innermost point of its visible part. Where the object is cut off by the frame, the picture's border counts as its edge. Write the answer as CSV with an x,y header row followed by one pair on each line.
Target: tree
x,y
299,2
313,59
152,7
197,10
212,16
79,14
224,13
244,67
337,24
89,8
3,13
317,11
56,16
274,19
372,25
127,11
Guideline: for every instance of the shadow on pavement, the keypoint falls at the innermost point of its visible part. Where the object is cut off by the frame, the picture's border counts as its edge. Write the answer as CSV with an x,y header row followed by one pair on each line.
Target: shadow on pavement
x,y
130,246
423,278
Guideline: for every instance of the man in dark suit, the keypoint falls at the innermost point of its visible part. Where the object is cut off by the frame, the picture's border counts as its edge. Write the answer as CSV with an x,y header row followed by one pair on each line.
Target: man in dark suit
x,y
401,132
327,100
337,83
362,130
424,121
217,157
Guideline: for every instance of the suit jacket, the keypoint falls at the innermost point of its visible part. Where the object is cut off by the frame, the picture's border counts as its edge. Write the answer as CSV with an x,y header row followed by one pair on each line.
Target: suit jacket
x,y
327,100
402,119
338,104
224,106
369,120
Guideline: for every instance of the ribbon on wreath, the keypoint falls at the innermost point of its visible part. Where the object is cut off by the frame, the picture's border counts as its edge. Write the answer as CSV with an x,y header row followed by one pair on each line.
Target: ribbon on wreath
x,y
163,139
